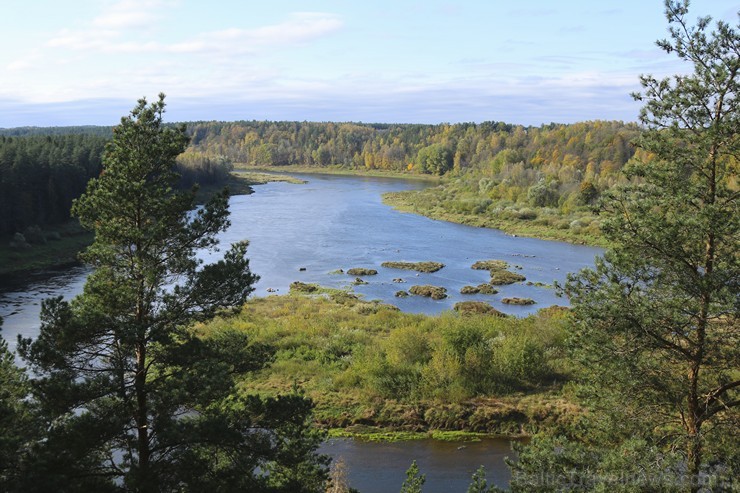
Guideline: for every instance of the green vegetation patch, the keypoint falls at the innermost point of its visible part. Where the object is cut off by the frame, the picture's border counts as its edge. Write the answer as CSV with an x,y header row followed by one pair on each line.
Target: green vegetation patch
x,y
302,287
361,271
477,307
418,266
374,434
518,301
256,178
490,265
371,368
479,289
434,292
502,277
401,294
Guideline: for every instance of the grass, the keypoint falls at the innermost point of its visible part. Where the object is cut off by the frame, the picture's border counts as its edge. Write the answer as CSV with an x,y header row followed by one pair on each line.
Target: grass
x,y
479,289
490,265
350,355
476,307
341,170
503,277
417,266
433,292
433,203
518,301
371,434
257,178
360,271
72,239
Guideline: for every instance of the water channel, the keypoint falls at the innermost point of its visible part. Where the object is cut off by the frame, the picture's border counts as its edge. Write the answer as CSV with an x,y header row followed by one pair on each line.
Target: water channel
x,y
306,232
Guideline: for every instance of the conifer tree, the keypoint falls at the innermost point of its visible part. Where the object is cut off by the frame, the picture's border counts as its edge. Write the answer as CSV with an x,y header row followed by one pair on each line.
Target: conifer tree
x,y
133,399
657,331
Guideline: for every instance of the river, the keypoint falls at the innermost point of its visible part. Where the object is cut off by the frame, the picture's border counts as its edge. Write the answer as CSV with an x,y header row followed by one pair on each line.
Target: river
x,y
306,232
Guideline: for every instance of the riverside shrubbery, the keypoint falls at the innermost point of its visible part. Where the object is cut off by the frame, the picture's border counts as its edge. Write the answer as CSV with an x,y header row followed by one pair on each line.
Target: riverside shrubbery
x,y
349,359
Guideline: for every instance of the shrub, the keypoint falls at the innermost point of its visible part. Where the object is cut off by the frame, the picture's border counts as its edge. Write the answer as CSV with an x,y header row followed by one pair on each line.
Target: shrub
x,y
360,271
518,301
18,242
34,235
476,307
418,266
434,292
502,277
490,265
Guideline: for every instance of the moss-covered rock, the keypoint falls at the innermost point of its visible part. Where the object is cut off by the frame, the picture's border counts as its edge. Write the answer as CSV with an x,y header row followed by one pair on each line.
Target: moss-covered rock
x,y
518,301
401,294
434,292
417,266
469,290
361,271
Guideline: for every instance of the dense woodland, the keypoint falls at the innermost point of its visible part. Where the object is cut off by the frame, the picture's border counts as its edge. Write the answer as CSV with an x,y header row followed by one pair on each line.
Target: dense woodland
x,y
41,175
553,166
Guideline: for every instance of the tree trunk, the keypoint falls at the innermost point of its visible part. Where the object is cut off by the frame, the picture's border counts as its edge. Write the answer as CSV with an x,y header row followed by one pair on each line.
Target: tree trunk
x,y
143,480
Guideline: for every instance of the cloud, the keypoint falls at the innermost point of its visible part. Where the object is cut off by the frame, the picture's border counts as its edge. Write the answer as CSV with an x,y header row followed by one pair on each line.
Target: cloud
x,y
298,28
129,14
111,33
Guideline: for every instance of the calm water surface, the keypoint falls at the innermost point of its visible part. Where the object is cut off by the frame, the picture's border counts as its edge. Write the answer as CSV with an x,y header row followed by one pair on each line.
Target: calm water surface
x,y
381,467
335,222
339,222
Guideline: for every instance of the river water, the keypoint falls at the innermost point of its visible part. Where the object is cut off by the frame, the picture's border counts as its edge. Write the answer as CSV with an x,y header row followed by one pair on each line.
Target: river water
x,y
306,232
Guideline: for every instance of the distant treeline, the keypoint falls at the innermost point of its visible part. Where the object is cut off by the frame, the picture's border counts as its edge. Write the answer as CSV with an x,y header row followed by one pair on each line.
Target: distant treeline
x,y
41,175
100,131
43,169
423,148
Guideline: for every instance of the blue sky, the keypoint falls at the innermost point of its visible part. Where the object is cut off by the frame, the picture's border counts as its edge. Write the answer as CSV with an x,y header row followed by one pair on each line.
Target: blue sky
x,y
528,62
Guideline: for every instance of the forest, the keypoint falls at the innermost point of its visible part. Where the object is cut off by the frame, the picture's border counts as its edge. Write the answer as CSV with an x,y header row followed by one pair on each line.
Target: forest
x,y
555,168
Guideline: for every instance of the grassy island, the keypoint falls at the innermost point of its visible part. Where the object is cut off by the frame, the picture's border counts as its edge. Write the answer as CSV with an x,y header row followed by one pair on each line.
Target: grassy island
x,y
417,266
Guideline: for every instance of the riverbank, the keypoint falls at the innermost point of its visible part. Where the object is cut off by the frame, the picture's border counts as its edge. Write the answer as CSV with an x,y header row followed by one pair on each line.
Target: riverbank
x,y
529,222
341,171
378,373
64,242
577,228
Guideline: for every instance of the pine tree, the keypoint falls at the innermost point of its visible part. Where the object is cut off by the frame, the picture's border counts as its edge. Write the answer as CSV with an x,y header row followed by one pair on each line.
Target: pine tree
x,y
658,317
656,330
133,399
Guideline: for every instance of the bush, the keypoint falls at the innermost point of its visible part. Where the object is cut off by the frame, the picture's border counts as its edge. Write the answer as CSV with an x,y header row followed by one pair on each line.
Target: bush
x,y
502,277
434,292
518,301
476,307
34,235
18,242
418,266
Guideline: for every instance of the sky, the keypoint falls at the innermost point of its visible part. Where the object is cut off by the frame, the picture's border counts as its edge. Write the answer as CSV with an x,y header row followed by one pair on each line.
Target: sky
x,y
531,62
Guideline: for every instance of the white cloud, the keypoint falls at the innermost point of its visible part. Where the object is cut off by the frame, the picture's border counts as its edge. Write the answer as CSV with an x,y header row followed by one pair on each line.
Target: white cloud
x,y
298,28
130,14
